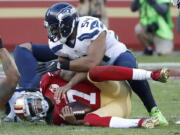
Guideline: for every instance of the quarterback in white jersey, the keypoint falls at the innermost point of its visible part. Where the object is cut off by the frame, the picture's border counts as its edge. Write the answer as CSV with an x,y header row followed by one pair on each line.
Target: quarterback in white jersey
x,y
84,42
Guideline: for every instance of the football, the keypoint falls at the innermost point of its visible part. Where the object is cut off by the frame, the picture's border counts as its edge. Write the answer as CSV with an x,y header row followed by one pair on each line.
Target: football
x,y
80,109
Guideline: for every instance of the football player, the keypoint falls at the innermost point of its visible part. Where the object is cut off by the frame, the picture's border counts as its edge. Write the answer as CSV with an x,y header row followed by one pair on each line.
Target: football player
x,y
30,78
110,102
85,42
7,84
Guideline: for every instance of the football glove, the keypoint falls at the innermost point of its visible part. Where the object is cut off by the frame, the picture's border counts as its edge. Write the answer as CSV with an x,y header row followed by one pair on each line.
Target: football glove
x,y
50,66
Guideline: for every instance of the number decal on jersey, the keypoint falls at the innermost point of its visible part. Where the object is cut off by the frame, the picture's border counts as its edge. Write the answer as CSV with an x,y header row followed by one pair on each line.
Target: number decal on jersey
x,y
71,93
85,23
94,24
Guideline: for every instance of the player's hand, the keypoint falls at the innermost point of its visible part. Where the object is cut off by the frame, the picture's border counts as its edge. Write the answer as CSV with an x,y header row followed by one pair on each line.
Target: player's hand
x,y
67,115
50,66
1,43
61,92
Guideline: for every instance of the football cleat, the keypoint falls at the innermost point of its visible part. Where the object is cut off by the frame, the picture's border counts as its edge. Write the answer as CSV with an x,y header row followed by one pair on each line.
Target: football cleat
x,y
148,122
155,112
160,75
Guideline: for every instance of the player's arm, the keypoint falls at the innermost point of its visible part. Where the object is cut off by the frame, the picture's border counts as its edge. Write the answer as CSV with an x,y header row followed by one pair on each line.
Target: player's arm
x,y
9,83
78,77
94,56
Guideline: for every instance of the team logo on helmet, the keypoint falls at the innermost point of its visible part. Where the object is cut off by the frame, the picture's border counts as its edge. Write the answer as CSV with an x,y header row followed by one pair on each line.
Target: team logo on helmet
x,y
31,106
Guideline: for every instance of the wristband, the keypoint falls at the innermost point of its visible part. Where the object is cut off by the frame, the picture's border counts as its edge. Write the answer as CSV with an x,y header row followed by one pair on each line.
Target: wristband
x,y
64,65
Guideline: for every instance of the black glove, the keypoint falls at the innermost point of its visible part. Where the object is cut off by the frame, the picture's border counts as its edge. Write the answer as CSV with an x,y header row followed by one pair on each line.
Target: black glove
x,y
50,66
1,43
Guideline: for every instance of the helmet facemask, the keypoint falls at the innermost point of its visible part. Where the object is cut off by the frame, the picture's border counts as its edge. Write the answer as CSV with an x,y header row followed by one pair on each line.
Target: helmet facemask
x,y
31,106
53,31
60,20
66,27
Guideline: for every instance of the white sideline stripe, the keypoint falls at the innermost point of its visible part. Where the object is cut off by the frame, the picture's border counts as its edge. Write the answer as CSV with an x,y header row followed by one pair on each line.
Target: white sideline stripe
x,y
153,64
162,64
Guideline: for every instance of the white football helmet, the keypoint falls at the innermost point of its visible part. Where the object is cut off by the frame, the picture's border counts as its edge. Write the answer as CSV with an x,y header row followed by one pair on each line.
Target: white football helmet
x,y
31,106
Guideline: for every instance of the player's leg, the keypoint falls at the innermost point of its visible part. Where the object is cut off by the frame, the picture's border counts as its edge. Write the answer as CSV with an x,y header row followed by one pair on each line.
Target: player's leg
x,y
118,122
115,99
163,46
120,107
105,73
115,109
9,83
144,38
26,57
141,88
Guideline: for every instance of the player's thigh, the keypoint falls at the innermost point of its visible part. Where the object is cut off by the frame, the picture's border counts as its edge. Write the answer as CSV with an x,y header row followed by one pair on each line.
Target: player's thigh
x,y
42,52
114,91
110,88
118,108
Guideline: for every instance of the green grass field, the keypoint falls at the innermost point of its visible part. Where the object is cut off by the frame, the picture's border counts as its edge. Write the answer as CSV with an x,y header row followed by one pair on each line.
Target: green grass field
x,y
167,97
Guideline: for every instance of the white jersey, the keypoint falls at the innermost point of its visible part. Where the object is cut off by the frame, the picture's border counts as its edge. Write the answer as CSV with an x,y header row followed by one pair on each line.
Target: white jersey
x,y
88,30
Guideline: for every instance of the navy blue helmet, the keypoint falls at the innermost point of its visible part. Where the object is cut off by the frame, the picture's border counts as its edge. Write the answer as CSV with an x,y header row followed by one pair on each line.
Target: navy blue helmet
x,y
60,21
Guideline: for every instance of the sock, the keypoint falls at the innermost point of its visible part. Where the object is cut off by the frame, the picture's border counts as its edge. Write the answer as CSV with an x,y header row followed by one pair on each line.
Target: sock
x,y
104,73
117,122
141,74
142,89
112,122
